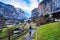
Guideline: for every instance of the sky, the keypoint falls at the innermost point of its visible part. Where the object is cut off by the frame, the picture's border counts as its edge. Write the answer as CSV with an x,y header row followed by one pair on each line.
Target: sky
x,y
26,5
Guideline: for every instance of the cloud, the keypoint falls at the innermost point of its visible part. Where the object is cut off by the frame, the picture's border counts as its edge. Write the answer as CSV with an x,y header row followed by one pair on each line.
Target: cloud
x,y
23,5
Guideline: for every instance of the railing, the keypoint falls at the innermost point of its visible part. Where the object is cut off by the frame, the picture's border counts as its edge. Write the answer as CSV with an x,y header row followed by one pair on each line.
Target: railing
x,y
18,35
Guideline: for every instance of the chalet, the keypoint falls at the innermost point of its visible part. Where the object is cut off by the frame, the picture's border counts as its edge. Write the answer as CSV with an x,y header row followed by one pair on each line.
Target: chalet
x,y
56,15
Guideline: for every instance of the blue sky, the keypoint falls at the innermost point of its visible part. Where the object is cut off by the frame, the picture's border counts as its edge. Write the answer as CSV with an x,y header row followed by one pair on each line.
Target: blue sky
x,y
26,5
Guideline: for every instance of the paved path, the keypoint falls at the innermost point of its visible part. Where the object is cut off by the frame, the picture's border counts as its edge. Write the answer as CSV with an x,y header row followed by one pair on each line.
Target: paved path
x,y
28,37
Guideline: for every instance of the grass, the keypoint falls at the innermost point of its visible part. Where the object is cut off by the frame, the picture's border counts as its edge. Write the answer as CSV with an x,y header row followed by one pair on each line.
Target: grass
x,y
6,30
34,36
21,37
49,31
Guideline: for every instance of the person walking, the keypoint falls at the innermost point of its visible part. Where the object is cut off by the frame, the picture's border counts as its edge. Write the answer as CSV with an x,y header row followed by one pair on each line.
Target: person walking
x,y
30,30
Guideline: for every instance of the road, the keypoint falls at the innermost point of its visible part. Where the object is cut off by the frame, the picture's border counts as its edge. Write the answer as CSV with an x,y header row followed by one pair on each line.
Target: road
x,y
28,37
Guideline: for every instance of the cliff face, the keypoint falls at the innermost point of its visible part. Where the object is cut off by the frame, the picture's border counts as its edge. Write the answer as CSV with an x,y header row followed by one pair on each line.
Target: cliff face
x,y
21,13
10,12
34,12
48,6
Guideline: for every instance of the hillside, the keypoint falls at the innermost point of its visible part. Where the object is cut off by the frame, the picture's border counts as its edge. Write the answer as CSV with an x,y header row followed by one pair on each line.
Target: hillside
x,y
10,12
49,31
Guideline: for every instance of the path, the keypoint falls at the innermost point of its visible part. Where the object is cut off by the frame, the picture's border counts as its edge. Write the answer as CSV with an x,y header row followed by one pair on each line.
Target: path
x,y
28,37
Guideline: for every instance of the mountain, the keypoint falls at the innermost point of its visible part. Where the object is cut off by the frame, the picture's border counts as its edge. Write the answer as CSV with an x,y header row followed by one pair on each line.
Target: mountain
x,y
7,10
10,12
21,13
34,12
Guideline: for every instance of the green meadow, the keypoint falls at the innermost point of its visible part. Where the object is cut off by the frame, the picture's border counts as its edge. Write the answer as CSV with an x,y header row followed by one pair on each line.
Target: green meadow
x,y
50,31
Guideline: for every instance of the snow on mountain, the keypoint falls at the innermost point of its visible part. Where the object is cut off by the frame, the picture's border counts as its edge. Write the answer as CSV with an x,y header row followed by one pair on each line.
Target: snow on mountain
x,y
11,12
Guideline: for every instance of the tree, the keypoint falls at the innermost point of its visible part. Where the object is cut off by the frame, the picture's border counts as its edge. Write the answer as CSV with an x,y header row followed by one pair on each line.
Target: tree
x,y
2,21
47,17
40,20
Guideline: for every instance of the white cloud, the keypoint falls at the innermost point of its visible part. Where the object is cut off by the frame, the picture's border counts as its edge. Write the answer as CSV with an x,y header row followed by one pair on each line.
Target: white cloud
x,y
23,5
40,0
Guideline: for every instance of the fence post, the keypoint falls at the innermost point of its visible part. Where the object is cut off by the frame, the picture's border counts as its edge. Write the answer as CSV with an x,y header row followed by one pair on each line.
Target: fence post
x,y
9,37
9,33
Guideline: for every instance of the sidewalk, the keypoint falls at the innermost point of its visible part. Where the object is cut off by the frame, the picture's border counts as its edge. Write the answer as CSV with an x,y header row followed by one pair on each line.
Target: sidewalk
x,y
28,37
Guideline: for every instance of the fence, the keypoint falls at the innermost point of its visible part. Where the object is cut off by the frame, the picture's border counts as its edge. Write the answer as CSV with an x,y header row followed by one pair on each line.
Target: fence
x,y
13,36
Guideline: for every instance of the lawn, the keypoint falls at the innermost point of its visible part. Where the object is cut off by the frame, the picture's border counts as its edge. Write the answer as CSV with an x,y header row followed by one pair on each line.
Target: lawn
x,y
6,30
49,31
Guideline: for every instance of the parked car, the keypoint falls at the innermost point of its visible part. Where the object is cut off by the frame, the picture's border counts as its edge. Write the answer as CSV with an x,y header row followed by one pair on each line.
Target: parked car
x,y
17,31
